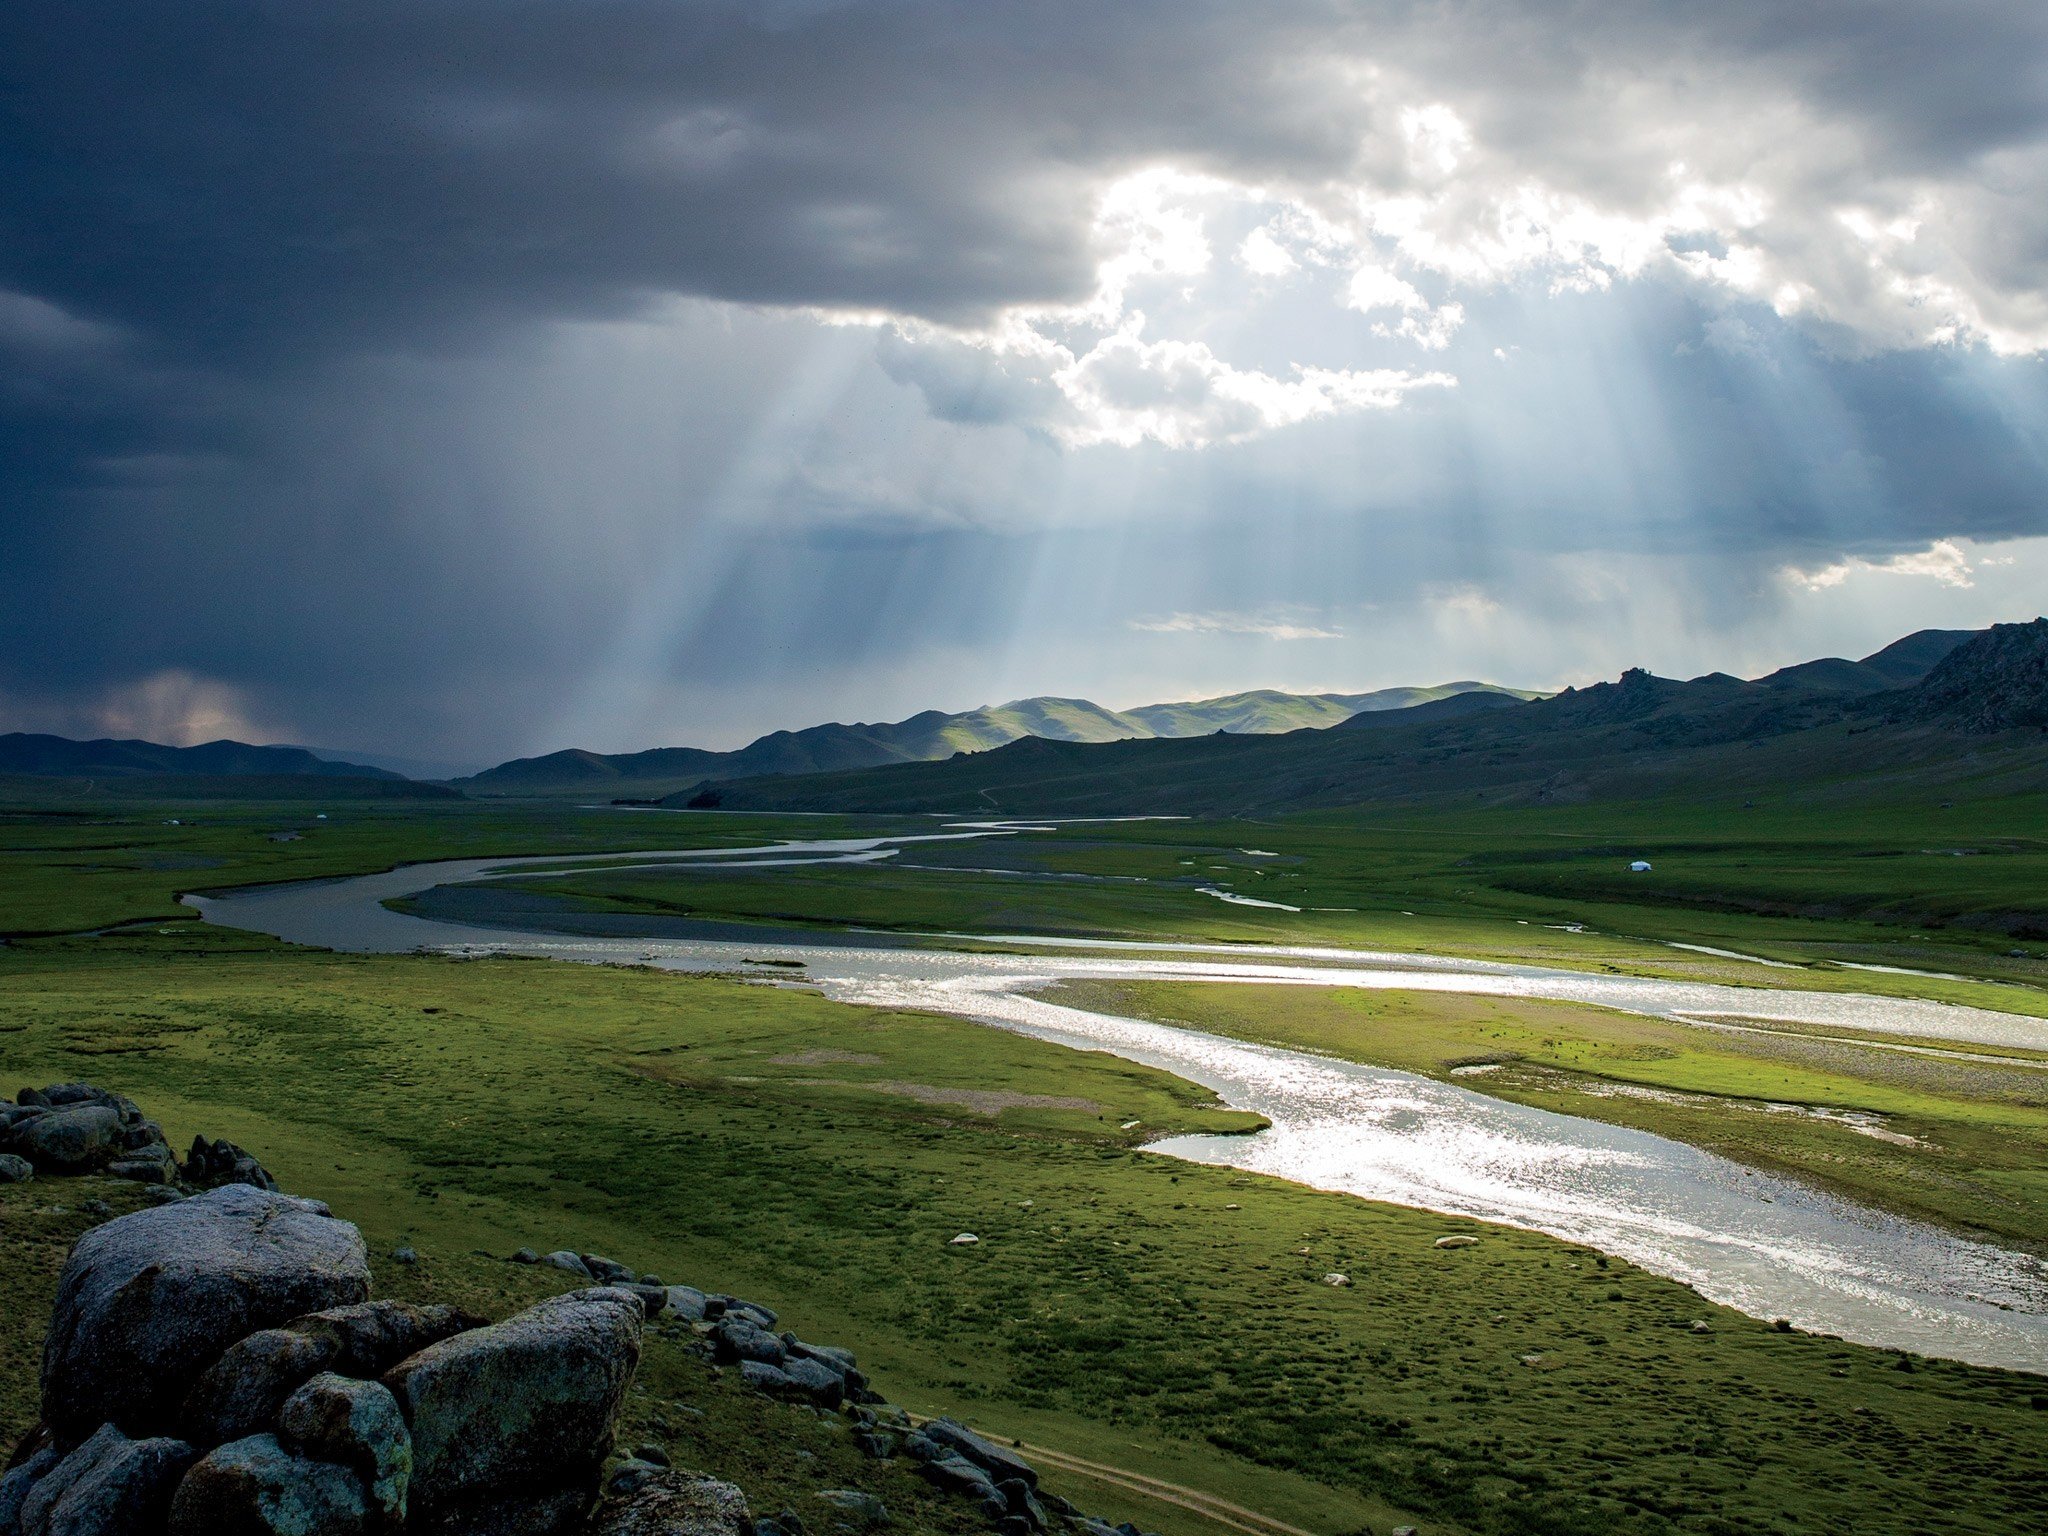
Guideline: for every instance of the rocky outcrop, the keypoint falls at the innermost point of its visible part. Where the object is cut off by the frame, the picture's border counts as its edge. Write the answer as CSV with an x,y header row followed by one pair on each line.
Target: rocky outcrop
x,y
146,1302
74,1128
245,1389
255,1487
214,1368
211,1164
668,1503
108,1483
523,1409
1994,681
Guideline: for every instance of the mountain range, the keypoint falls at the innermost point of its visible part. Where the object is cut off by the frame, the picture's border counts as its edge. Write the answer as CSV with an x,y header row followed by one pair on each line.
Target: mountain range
x,y
934,735
1940,708
42,756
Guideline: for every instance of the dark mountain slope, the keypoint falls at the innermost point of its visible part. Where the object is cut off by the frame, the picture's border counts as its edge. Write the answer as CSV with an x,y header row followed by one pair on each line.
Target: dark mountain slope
x,y
934,734
1639,736
1457,706
59,756
1997,681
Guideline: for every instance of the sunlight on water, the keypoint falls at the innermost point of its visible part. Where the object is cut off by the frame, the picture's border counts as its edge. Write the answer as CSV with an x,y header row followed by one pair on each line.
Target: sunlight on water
x,y
1765,1245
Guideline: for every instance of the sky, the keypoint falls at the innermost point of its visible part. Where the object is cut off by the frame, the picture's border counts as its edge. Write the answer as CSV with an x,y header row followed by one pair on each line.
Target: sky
x,y
459,381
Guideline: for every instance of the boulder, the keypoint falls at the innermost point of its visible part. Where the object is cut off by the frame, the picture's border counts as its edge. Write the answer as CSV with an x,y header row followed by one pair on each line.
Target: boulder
x,y
567,1262
608,1271
653,1298
148,1300
214,1164
15,1170
15,1486
956,1474
991,1458
79,1138
863,1507
824,1387
255,1487
740,1338
519,1416
147,1165
241,1393
686,1302
752,1310
107,1485
355,1424
1022,1502
763,1377
674,1504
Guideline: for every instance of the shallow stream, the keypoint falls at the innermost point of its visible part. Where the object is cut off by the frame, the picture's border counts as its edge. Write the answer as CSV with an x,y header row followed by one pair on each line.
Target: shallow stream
x,y
1768,1246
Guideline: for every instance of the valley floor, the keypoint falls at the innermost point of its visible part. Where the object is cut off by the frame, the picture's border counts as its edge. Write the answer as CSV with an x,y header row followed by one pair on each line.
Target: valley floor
x,y
1145,1313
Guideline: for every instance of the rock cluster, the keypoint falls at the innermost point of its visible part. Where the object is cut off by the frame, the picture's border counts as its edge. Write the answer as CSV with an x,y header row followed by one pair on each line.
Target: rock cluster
x,y
740,1335
214,1368
74,1128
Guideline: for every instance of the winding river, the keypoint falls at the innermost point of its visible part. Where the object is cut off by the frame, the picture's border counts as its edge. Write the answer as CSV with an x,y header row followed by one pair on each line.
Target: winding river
x,y
1767,1246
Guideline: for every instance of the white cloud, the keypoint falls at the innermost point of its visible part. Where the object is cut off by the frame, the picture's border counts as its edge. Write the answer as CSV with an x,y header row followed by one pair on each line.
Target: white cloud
x,y
1263,256
1268,626
1944,561
1180,394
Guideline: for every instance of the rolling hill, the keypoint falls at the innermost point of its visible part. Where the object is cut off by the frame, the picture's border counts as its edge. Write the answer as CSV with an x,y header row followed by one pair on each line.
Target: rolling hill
x,y
934,735
60,757
1961,710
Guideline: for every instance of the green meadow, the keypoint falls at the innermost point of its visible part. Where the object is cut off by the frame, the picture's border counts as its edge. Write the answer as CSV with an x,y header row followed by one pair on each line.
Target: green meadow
x,y
1167,1317
1164,1318
1963,890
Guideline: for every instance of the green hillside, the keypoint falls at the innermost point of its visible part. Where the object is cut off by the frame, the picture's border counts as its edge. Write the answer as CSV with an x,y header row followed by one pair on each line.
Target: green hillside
x,y
1970,726
934,735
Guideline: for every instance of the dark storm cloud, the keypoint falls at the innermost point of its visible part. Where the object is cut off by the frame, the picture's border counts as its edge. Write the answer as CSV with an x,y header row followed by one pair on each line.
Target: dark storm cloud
x,y
285,401
270,178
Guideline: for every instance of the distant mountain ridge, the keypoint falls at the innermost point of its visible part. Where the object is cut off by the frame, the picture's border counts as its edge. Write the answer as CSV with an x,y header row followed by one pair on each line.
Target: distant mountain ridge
x,y
1936,710
934,735
40,756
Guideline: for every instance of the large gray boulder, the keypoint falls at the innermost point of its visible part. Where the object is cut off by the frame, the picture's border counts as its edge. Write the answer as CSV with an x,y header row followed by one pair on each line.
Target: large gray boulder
x,y
15,1169
255,1487
108,1486
511,1423
1001,1464
355,1424
147,1301
241,1393
79,1138
674,1504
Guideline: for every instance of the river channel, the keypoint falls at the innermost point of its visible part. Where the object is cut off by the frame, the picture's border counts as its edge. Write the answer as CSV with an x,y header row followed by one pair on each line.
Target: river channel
x,y
1767,1246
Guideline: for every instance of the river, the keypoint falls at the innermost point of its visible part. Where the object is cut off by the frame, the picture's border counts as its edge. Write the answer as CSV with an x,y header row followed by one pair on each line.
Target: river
x,y
1768,1246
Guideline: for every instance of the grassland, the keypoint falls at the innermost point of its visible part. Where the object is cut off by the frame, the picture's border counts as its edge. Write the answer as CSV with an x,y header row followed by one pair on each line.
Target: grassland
x,y
1909,886
72,863
1958,1138
1170,1317
1167,1318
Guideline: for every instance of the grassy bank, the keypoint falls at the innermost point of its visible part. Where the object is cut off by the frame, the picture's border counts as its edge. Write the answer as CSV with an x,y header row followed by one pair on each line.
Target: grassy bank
x,y
1959,1138
1169,1318
1820,893
70,863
